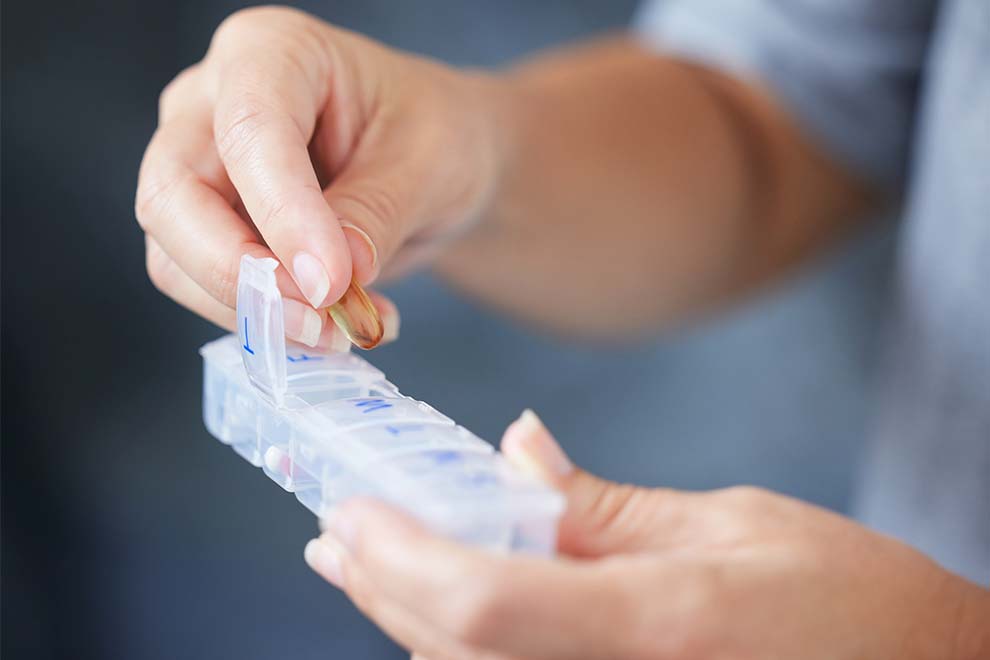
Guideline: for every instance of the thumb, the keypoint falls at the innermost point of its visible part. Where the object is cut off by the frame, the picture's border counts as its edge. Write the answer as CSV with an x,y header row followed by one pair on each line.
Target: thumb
x,y
373,199
602,517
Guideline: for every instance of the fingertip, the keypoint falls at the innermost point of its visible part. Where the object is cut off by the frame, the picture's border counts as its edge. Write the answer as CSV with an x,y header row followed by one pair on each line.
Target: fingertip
x,y
529,446
340,263
302,323
341,274
323,269
518,433
332,338
389,313
360,517
346,522
391,323
326,557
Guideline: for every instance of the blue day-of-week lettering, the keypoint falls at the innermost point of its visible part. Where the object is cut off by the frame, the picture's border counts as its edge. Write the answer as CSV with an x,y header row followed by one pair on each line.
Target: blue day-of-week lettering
x,y
371,405
480,479
247,341
395,430
442,457
302,357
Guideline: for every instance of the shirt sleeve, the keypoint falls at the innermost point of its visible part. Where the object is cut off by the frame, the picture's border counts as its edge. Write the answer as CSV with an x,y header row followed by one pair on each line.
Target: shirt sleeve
x,y
847,70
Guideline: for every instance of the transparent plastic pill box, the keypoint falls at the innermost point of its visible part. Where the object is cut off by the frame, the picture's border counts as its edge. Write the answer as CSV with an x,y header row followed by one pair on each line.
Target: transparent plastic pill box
x,y
329,426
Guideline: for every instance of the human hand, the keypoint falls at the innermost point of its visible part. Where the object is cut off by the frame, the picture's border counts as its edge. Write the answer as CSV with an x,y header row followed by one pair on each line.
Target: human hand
x,y
302,141
653,573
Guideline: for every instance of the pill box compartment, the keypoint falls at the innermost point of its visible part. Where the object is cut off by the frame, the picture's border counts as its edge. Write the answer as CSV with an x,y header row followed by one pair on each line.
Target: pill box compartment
x,y
328,427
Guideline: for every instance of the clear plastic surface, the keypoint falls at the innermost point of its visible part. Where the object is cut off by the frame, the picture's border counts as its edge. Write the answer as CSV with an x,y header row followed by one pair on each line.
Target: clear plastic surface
x,y
329,426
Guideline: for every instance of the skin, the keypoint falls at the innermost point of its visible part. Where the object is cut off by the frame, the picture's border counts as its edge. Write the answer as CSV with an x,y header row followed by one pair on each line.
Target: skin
x,y
645,190
653,573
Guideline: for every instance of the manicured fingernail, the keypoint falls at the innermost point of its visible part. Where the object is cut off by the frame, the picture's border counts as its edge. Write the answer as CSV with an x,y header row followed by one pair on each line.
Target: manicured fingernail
x,y
302,323
339,343
324,555
530,446
364,254
312,278
390,323
333,338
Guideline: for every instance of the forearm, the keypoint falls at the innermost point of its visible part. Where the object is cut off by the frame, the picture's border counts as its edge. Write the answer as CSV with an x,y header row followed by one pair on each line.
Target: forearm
x,y
971,638
637,190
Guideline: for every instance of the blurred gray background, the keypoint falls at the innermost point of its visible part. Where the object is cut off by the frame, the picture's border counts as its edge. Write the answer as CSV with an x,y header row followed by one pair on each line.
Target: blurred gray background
x,y
129,533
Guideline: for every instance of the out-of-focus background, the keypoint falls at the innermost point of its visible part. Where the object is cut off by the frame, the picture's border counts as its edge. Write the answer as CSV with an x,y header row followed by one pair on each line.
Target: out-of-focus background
x,y
129,533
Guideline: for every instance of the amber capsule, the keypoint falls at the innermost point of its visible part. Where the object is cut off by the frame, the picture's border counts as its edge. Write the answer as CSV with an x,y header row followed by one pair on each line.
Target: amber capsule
x,y
358,317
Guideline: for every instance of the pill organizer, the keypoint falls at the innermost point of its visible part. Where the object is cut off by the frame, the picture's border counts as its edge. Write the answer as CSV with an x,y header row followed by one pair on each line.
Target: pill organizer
x,y
329,426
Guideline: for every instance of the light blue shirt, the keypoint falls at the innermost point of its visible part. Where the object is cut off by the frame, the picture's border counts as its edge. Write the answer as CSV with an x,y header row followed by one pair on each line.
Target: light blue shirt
x,y
898,91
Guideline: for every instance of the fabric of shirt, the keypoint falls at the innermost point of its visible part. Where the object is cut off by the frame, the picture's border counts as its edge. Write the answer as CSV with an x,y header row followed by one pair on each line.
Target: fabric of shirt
x,y
897,91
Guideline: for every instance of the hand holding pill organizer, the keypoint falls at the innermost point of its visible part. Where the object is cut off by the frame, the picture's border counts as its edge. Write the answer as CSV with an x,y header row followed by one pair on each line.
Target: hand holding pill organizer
x,y
329,426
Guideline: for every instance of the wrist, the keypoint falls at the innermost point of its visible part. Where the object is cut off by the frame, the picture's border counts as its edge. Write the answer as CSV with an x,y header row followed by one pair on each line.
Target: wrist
x,y
496,108
490,101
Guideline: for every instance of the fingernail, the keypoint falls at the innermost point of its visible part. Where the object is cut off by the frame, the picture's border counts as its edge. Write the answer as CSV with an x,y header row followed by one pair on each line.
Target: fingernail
x,y
530,446
302,323
390,323
333,338
325,556
339,343
364,254
312,278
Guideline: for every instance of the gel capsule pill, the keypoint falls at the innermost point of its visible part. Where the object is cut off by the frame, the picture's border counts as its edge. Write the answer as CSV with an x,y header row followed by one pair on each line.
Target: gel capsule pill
x,y
357,316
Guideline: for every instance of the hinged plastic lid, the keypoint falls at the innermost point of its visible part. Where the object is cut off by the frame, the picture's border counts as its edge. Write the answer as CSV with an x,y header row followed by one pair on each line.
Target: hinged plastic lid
x,y
260,326
288,374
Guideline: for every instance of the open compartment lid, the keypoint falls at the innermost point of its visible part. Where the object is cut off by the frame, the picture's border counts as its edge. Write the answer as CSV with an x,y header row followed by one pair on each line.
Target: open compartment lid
x,y
260,326
288,374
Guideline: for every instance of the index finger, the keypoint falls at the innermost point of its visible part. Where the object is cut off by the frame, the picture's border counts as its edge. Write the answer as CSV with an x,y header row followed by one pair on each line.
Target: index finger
x,y
518,605
264,117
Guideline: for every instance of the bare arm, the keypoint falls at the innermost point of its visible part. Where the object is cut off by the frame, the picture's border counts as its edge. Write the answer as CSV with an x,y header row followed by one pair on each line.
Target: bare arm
x,y
637,190
618,191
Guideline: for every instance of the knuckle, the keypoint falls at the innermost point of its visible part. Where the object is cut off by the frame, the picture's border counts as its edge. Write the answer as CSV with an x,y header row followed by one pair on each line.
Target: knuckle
x,y
250,21
177,90
746,497
380,205
275,209
379,212
159,268
737,512
153,199
244,21
607,510
238,124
